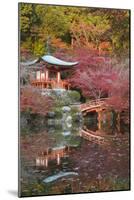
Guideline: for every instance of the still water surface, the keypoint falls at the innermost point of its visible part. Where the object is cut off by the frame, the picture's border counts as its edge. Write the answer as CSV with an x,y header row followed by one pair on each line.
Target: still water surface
x,y
58,158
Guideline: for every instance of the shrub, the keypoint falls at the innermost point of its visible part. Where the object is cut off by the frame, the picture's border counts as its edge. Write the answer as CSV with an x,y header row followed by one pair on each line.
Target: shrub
x,y
74,96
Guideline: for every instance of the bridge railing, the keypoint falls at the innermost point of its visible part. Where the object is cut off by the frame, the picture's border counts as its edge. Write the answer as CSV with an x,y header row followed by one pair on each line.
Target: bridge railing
x,y
93,103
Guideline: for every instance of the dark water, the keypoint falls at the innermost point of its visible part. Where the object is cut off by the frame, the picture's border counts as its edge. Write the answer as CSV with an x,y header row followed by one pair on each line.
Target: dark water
x,y
108,124
57,158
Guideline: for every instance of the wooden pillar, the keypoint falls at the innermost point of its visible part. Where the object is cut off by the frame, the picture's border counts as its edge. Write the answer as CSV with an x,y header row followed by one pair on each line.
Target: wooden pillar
x,y
37,162
58,159
99,119
46,162
42,76
41,162
58,77
38,75
47,75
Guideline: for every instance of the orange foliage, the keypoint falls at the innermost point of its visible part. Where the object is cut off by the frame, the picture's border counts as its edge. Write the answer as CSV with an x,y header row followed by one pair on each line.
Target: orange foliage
x,y
58,43
105,45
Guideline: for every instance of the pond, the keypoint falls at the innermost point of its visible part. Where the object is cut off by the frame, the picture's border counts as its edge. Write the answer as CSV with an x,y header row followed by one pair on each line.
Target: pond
x,y
57,158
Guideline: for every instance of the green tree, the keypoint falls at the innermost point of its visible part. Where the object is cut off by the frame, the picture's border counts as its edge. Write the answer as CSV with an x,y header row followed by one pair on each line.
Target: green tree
x,y
67,26
26,13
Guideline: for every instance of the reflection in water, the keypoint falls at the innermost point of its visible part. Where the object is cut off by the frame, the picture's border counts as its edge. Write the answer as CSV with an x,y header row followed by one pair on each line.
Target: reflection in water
x,y
104,122
90,136
61,150
59,175
52,154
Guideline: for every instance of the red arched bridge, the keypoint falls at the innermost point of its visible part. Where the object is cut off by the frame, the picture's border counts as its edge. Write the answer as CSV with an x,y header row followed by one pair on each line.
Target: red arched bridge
x,y
93,105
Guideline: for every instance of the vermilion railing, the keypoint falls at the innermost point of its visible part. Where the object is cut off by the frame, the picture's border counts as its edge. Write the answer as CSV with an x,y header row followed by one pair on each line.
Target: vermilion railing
x,y
64,84
93,104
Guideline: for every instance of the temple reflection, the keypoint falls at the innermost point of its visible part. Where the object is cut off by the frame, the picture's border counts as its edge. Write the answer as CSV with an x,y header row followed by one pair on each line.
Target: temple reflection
x,y
50,154
94,129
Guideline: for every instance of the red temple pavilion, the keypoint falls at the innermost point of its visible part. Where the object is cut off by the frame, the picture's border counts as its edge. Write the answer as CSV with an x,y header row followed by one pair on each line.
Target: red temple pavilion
x,y
49,74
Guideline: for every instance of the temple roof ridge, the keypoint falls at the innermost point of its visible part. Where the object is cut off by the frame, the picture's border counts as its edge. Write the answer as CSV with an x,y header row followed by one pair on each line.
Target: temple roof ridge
x,y
50,60
56,61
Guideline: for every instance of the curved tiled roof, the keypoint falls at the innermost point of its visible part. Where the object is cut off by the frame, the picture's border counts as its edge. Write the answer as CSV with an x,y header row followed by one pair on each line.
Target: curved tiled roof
x,y
55,61
51,60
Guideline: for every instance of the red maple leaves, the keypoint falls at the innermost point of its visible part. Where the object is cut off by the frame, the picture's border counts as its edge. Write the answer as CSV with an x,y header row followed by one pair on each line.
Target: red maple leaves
x,y
98,77
32,100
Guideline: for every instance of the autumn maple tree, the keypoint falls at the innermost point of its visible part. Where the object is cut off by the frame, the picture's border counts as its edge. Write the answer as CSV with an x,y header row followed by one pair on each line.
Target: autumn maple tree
x,y
98,77
120,91
33,101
